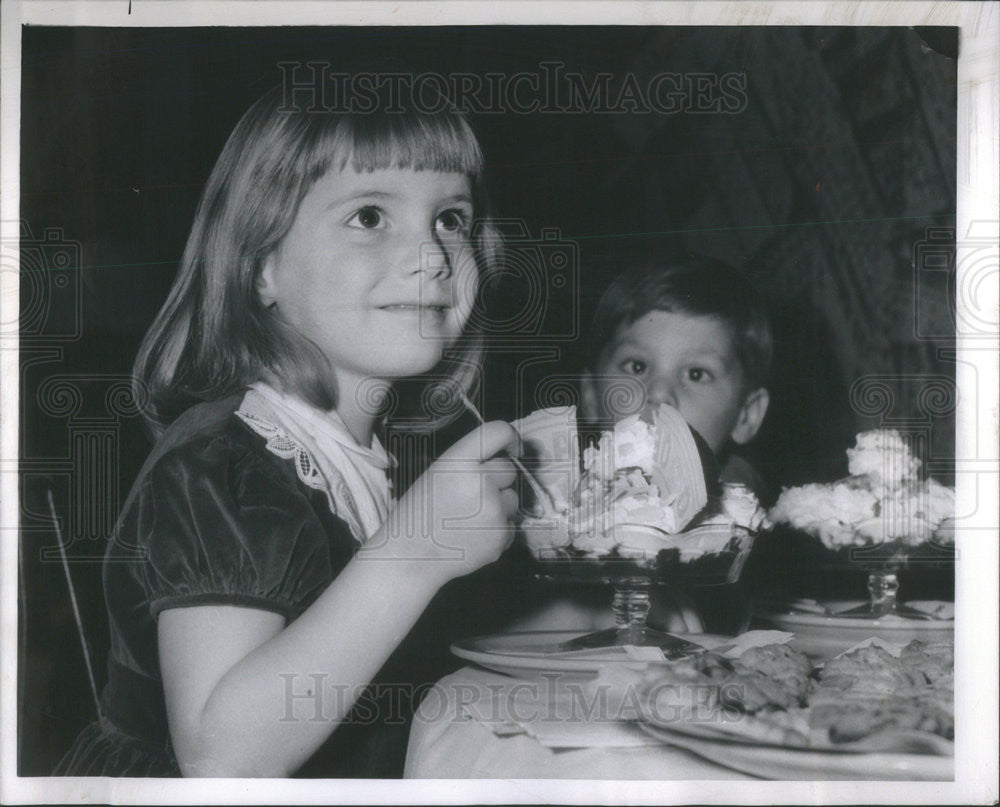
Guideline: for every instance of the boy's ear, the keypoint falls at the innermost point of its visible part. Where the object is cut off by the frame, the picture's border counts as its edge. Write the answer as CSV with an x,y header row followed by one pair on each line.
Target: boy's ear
x,y
751,416
267,290
588,396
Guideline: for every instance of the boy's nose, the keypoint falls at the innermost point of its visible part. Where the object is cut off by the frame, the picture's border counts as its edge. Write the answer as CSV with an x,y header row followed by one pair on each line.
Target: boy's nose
x,y
661,391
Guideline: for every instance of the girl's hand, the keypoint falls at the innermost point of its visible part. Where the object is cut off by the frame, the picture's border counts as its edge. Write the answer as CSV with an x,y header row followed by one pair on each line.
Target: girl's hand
x,y
459,515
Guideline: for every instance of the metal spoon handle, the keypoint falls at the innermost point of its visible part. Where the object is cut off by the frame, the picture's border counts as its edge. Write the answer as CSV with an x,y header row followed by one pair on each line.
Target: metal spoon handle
x,y
536,486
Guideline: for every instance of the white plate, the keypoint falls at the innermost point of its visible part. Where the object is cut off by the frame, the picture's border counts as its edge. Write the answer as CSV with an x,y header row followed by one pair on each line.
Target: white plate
x,y
824,636
771,762
529,653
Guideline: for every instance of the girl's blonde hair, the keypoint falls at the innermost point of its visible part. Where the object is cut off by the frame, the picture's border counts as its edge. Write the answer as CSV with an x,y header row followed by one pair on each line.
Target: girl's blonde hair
x,y
213,335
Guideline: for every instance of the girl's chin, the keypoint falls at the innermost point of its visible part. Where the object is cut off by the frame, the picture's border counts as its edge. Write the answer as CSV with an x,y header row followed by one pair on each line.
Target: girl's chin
x,y
407,364
393,361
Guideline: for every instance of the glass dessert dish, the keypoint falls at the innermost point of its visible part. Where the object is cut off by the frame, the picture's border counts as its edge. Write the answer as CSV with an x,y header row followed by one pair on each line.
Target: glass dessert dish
x,y
881,519
644,508
668,561
883,563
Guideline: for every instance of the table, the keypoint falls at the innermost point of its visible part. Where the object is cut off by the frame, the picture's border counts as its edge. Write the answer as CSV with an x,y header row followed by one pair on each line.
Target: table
x,y
463,729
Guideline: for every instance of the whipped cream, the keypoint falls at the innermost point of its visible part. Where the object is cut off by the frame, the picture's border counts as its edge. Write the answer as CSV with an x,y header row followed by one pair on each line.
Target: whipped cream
x,y
629,445
884,457
882,500
740,507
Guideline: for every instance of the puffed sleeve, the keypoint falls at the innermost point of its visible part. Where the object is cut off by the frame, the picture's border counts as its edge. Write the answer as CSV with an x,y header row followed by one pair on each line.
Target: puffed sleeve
x,y
221,524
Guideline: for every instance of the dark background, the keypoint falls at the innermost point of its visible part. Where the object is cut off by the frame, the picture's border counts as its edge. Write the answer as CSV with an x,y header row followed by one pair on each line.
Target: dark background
x,y
834,188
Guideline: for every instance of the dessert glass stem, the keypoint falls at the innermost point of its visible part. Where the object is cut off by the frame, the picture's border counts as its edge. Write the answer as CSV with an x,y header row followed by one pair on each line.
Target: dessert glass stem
x,y
883,585
631,607
883,562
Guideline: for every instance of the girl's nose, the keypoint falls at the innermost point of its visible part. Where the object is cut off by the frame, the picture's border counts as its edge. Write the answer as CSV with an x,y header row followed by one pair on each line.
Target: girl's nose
x,y
435,262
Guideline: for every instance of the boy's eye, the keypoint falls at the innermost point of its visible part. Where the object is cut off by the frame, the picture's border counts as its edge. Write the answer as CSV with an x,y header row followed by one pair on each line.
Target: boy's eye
x,y
452,222
698,374
634,366
368,218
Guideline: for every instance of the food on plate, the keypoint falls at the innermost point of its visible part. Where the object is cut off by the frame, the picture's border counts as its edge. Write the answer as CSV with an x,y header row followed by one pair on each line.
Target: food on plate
x,y
870,670
641,491
852,719
870,690
935,661
775,675
883,501
769,677
866,698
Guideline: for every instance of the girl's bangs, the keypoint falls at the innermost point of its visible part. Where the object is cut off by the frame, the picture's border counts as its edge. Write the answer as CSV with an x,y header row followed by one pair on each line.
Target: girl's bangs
x,y
420,142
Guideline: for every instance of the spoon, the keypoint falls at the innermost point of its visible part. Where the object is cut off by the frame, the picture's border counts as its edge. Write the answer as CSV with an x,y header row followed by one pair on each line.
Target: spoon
x,y
536,486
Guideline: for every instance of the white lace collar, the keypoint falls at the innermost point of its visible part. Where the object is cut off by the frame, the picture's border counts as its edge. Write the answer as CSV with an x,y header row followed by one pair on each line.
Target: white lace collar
x,y
325,454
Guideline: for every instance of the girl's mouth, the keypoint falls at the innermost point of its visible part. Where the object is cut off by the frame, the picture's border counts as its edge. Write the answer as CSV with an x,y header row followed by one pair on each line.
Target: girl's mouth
x,y
435,309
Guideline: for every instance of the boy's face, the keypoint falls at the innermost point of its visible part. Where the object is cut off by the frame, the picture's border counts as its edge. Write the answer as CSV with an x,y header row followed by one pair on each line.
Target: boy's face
x,y
685,360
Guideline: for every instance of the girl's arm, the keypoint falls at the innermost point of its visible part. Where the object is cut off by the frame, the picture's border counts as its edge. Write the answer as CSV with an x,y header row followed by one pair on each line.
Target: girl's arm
x,y
248,696
233,676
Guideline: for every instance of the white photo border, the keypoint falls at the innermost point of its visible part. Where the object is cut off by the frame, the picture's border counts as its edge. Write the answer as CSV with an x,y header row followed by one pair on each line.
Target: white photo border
x,y
976,583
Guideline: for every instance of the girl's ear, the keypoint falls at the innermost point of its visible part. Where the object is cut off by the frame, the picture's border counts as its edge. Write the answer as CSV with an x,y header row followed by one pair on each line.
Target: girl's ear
x,y
751,416
588,397
267,289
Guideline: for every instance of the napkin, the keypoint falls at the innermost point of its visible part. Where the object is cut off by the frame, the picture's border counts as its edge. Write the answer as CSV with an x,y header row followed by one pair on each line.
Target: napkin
x,y
560,712
736,647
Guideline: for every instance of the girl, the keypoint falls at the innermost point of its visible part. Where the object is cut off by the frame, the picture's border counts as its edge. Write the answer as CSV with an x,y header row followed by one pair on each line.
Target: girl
x,y
260,575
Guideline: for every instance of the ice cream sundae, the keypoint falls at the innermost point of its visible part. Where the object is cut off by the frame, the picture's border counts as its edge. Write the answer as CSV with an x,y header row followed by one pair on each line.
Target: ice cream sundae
x,y
883,501
641,492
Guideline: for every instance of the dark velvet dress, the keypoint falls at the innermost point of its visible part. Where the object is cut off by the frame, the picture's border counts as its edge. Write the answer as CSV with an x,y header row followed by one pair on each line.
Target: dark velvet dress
x,y
214,518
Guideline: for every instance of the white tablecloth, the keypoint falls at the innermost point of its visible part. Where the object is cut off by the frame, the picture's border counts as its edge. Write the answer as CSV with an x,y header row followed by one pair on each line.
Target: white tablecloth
x,y
452,738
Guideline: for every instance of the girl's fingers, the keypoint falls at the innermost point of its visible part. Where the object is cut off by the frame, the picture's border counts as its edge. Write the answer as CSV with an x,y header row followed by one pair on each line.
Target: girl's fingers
x,y
509,504
500,471
487,441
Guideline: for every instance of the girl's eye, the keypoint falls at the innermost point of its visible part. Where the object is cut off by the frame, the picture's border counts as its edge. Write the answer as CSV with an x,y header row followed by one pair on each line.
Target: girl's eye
x,y
698,375
634,366
367,218
452,222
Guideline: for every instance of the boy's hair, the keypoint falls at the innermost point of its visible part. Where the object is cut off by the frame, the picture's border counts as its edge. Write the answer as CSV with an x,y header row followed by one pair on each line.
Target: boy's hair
x,y
691,284
213,335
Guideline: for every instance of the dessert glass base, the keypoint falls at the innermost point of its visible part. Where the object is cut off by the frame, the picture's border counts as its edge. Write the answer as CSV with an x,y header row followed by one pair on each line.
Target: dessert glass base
x,y
631,608
883,562
632,579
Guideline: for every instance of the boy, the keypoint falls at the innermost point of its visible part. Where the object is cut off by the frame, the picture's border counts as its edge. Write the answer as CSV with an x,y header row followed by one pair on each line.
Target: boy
x,y
691,333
